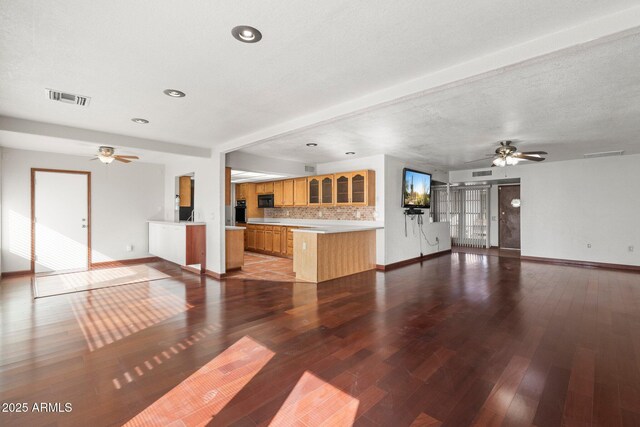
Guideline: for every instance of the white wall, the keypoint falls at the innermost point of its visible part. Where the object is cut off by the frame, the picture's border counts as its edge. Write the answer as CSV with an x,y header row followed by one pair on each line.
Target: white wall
x,y
208,200
494,236
123,198
568,205
399,247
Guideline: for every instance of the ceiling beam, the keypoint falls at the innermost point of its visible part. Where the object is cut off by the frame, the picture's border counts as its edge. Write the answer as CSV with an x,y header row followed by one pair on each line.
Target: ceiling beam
x,y
12,124
610,26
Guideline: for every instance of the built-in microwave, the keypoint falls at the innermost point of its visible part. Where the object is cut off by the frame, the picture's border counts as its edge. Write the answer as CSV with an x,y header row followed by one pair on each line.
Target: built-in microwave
x,y
265,201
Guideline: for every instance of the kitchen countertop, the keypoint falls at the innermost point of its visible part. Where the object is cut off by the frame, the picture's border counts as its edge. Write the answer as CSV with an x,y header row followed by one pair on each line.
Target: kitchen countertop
x,y
332,229
181,223
233,227
320,229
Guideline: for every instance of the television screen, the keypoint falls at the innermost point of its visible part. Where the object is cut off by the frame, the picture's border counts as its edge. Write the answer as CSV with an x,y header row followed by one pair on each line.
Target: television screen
x,y
416,189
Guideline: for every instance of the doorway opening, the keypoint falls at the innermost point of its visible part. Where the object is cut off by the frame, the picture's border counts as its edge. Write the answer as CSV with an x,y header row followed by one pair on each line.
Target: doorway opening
x,y
185,203
60,221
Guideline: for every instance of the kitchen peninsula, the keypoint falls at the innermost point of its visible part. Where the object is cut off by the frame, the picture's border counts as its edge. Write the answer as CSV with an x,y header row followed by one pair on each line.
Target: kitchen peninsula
x,y
320,252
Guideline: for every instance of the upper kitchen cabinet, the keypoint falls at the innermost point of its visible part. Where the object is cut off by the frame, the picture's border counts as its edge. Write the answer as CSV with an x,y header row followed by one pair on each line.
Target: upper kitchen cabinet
x,y
326,189
241,191
313,183
287,190
264,187
185,191
278,194
300,192
283,193
355,188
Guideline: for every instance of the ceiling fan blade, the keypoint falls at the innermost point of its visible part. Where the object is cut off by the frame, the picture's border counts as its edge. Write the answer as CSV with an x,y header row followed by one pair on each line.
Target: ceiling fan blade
x,y
121,160
532,158
534,152
489,156
126,157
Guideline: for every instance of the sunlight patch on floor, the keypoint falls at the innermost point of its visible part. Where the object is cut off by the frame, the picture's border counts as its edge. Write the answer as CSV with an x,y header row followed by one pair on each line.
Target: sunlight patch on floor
x,y
197,399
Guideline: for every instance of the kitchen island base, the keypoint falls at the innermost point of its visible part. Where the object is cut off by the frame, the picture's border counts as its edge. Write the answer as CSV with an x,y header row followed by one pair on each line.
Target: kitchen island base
x,y
318,257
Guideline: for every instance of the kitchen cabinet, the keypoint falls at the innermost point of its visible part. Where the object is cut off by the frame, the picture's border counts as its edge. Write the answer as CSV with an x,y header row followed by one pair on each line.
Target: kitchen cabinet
x,y
342,181
268,238
234,248
355,188
326,190
278,194
180,243
271,239
260,237
241,191
185,191
313,192
300,192
251,237
277,241
290,240
287,190
264,187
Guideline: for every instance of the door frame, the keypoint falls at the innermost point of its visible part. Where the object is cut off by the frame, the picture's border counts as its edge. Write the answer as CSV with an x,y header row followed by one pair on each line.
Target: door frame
x,y
499,234
33,211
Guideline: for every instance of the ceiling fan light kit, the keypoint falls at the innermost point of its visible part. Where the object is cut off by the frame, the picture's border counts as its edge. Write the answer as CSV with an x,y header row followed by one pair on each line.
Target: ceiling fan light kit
x,y
107,155
508,155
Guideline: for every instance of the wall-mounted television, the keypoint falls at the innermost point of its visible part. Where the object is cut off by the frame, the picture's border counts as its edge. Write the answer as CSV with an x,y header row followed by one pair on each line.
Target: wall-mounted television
x,y
416,189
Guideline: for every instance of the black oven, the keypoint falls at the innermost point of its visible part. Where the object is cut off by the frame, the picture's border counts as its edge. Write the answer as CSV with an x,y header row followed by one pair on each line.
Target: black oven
x,y
241,211
265,201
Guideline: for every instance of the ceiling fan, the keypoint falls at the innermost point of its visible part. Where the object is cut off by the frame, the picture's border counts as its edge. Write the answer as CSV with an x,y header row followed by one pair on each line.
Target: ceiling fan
x,y
108,154
508,155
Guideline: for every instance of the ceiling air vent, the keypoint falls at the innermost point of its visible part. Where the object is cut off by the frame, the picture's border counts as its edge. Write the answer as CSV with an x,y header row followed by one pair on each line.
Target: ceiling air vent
x,y
308,168
604,154
68,98
482,173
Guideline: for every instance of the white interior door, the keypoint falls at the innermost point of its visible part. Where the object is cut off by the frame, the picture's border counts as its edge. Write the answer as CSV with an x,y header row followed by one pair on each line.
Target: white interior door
x,y
62,222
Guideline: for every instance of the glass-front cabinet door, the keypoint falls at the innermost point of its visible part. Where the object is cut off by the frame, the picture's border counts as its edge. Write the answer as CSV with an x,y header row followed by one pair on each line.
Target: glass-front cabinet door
x,y
342,188
358,188
314,190
326,189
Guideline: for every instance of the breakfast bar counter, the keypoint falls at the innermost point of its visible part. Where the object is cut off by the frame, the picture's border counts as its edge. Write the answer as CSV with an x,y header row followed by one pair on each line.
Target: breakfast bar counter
x,y
329,252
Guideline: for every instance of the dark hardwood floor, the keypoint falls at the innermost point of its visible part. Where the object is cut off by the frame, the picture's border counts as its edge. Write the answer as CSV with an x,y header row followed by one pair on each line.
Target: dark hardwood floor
x,y
463,339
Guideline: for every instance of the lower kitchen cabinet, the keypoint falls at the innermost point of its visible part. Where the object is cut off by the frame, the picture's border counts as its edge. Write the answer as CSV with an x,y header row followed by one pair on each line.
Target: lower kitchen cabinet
x,y
270,239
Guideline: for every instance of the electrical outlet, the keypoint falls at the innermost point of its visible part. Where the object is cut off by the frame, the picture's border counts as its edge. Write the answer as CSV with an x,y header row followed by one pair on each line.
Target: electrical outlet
x,y
588,245
287,213
129,248
630,248
319,214
358,214
304,246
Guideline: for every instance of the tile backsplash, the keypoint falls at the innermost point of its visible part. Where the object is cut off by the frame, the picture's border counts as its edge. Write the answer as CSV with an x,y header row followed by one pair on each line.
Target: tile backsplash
x,y
347,213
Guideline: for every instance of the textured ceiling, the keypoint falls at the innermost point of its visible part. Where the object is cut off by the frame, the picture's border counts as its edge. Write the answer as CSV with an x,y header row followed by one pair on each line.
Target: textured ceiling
x,y
313,55
585,99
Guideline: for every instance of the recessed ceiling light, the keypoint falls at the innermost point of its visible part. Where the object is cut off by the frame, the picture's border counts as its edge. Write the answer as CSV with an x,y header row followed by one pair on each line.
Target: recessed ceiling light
x,y
174,93
140,121
312,144
246,34
350,153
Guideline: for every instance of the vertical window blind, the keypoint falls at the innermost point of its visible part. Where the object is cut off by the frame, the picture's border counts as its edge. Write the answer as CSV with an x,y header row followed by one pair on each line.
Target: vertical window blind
x,y
467,210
